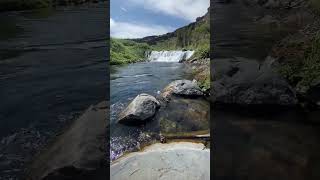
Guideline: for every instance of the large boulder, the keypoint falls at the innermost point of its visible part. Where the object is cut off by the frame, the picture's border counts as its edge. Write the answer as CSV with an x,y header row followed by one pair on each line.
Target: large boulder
x,y
245,82
142,108
182,88
80,152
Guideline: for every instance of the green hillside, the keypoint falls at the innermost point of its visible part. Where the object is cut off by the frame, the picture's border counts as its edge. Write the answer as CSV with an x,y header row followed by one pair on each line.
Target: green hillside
x,y
195,36
127,51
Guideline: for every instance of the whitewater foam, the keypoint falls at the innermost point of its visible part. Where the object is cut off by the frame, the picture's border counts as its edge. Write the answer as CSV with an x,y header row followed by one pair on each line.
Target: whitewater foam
x,y
169,56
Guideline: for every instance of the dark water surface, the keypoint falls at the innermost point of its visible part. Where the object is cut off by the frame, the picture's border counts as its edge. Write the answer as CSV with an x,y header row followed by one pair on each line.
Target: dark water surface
x,y
127,82
52,67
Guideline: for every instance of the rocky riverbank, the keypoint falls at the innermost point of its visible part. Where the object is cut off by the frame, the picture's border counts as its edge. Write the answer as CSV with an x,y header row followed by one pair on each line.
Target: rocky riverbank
x,y
179,111
286,72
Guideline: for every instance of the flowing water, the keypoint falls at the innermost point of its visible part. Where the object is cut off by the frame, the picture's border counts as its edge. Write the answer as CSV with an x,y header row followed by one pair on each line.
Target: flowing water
x,y
169,56
127,81
52,67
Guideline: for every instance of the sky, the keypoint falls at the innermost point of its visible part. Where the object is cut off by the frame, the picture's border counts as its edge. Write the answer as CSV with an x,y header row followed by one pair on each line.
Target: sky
x,y
141,18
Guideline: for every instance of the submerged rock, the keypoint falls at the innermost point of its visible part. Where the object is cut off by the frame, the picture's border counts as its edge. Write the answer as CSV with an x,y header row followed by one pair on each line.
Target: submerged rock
x,y
182,88
242,81
142,108
184,115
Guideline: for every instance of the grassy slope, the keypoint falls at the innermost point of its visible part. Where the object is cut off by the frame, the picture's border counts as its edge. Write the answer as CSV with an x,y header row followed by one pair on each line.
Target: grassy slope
x,y
126,51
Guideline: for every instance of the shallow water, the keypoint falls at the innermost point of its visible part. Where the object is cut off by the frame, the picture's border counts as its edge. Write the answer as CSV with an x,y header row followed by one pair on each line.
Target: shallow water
x,y
127,81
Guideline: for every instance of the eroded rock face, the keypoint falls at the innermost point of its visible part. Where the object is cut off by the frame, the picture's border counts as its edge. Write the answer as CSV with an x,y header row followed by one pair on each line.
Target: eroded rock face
x,y
242,81
142,108
182,88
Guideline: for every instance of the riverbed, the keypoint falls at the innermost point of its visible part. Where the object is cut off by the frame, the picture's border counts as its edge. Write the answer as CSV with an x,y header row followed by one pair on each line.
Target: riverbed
x,y
53,66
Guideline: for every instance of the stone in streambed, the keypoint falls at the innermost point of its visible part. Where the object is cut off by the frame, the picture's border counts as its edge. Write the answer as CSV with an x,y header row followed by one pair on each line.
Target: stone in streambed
x,y
182,88
142,108
184,115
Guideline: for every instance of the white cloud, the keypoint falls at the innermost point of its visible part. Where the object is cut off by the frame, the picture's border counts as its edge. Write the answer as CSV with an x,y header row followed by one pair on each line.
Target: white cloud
x,y
186,9
134,30
124,9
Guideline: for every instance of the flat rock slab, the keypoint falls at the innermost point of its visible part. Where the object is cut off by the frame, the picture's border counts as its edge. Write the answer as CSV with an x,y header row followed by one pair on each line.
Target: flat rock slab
x,y
179,161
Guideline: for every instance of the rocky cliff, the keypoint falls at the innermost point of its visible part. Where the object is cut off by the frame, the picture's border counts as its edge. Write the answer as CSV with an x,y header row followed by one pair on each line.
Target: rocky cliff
x,y
191,36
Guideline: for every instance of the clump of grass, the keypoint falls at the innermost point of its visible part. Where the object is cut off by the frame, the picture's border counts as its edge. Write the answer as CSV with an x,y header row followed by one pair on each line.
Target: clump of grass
x,y
202,75
303,73
311,66
202,52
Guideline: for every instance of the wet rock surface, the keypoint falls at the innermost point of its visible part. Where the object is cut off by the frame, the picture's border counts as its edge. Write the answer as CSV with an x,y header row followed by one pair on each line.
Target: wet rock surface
x,y
245,82
184,115
182,88
179,161
141,108
80,149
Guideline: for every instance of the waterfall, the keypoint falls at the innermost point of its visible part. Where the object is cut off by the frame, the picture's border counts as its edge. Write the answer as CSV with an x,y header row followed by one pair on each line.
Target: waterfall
x,y
169,56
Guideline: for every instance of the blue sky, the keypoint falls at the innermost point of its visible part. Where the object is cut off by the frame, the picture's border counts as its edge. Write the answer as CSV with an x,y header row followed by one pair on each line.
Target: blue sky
x,y
140,18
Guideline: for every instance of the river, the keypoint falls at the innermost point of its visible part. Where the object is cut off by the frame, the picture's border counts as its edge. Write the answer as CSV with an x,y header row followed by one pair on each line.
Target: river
x,y
127,81
53,66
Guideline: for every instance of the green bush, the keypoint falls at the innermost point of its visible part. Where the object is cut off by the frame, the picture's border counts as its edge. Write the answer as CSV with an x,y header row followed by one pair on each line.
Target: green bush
x,y
202,52
303,73
127,51
311,66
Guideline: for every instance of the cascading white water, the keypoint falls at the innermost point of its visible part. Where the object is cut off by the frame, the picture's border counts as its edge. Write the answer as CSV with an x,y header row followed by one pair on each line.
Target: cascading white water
x,y
169,56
